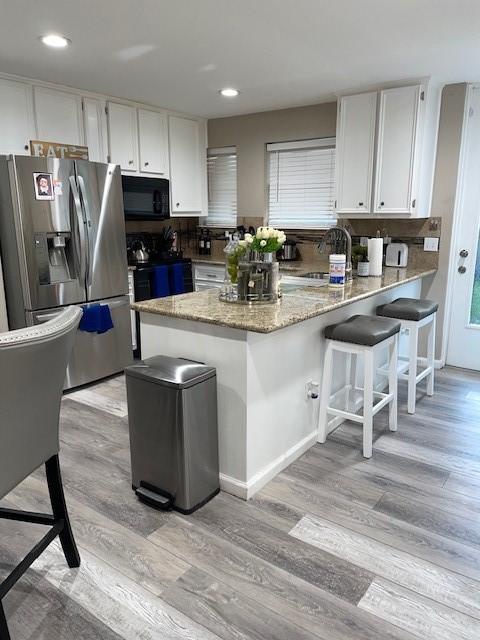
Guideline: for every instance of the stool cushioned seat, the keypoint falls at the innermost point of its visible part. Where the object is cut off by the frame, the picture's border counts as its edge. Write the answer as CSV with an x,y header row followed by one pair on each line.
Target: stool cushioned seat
x,y
408,309
364,330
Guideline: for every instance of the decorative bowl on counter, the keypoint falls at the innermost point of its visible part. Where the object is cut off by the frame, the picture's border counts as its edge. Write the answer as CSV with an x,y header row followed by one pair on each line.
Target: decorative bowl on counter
x,y
252,270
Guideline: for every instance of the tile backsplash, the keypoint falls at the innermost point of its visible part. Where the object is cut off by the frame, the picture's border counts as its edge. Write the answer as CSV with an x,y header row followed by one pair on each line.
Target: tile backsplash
x,y
412,232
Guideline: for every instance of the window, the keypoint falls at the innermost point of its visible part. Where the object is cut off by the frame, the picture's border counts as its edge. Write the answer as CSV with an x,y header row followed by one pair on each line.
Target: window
x,y
222,187
301,181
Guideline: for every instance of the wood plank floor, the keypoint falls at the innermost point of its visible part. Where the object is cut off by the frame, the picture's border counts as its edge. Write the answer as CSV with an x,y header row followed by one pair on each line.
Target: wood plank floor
x,y
334,548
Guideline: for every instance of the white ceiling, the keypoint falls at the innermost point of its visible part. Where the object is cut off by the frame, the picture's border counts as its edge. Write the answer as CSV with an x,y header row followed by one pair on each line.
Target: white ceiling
x,y
278,53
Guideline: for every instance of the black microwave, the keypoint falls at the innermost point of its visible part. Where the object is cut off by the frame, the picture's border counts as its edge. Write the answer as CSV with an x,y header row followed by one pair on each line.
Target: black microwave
x,y
146,198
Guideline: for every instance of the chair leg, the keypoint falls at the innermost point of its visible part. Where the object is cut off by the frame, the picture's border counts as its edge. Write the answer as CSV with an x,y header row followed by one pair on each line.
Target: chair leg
x,y
393,384
4,633
431,356
412,369
59,507
325,394
368,404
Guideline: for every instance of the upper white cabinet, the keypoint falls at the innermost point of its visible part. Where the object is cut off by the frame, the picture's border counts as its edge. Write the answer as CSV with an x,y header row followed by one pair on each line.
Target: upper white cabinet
x,y
59,116
123,136
17,124
386,153
187,165
153,138
398,150
355,151
95,125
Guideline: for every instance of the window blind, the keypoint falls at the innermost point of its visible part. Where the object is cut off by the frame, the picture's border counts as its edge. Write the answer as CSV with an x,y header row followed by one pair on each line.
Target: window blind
x,y
301,184
222,187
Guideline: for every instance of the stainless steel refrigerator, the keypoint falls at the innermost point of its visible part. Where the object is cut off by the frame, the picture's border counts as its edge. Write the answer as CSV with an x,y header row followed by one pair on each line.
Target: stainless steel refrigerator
x,y
62,237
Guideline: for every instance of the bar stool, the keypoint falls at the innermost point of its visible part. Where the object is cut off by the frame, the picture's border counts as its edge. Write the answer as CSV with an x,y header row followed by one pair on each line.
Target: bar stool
x,y
366,336
414,314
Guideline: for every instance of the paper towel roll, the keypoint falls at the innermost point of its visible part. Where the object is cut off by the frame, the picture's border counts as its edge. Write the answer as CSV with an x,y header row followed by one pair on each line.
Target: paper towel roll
x,y
375,256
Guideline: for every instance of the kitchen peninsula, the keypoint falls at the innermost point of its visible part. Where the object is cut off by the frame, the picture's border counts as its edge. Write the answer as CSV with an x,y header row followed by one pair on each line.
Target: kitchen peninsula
x,y
265,357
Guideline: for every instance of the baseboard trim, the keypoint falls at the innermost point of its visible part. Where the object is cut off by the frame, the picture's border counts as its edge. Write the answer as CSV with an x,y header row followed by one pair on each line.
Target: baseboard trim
x,y
246,490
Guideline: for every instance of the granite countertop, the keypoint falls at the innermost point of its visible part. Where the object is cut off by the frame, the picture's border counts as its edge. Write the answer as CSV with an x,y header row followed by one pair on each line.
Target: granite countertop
x,y
295,306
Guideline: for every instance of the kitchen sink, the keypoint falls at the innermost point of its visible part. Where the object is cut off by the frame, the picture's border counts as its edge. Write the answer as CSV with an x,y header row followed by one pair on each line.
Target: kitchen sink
x,y
317,275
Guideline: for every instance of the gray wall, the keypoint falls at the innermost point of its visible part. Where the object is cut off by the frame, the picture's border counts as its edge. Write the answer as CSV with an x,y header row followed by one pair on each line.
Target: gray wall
x,y
250,134
444,190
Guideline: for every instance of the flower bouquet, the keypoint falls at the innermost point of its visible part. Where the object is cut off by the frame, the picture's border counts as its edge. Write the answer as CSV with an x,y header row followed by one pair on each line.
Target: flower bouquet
x,y
252,267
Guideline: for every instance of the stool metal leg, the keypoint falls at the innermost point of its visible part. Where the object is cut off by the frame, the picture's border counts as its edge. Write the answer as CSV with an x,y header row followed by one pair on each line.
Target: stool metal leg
x,y
325,394
412,368
393,384
4,634
59,508
368,404
431,355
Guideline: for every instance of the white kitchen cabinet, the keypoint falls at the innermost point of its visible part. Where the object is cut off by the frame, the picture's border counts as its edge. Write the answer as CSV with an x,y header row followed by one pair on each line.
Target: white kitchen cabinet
x,y
208,276
133,321
356,120
95,126
398,150
153,139
59,116
17,123
123,136
386,161
187,166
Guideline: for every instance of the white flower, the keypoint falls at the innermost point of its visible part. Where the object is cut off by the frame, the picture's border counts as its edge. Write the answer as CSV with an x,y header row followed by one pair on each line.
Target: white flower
x,y
248,238
272,233
263,243
281,237
242,243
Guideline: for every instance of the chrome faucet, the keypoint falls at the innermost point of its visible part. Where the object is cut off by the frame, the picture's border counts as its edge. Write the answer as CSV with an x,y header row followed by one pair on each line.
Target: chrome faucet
x,y
334,237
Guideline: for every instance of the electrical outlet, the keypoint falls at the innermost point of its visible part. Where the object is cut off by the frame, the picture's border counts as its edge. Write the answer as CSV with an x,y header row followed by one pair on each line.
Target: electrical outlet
x,y
430,244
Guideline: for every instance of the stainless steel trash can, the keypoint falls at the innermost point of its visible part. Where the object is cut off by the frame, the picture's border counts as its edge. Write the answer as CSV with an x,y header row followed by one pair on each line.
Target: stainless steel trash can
x,y
172,416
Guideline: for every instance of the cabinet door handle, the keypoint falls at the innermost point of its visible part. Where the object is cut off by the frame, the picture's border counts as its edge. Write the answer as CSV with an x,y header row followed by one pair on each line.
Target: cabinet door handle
x,y
360,204
130,162
146,164
462,269
464,253
177,204
382,203
26,147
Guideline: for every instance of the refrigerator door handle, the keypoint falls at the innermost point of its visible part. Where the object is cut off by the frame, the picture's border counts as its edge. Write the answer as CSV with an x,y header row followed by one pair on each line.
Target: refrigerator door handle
x,y
82,250
88,222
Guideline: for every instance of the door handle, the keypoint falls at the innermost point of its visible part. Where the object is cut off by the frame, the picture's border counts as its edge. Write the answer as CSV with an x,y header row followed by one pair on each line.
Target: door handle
x,y
462,269
80,238
88,221
464,253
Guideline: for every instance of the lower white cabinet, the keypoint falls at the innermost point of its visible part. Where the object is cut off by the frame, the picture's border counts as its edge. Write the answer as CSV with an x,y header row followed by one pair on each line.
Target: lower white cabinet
x,y
123,136
206,276
131,295
59,116
187,165
17,123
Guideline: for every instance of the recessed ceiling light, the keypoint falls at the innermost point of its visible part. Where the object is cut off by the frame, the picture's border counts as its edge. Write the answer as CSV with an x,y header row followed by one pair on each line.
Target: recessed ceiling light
x,y
229,93
54,40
